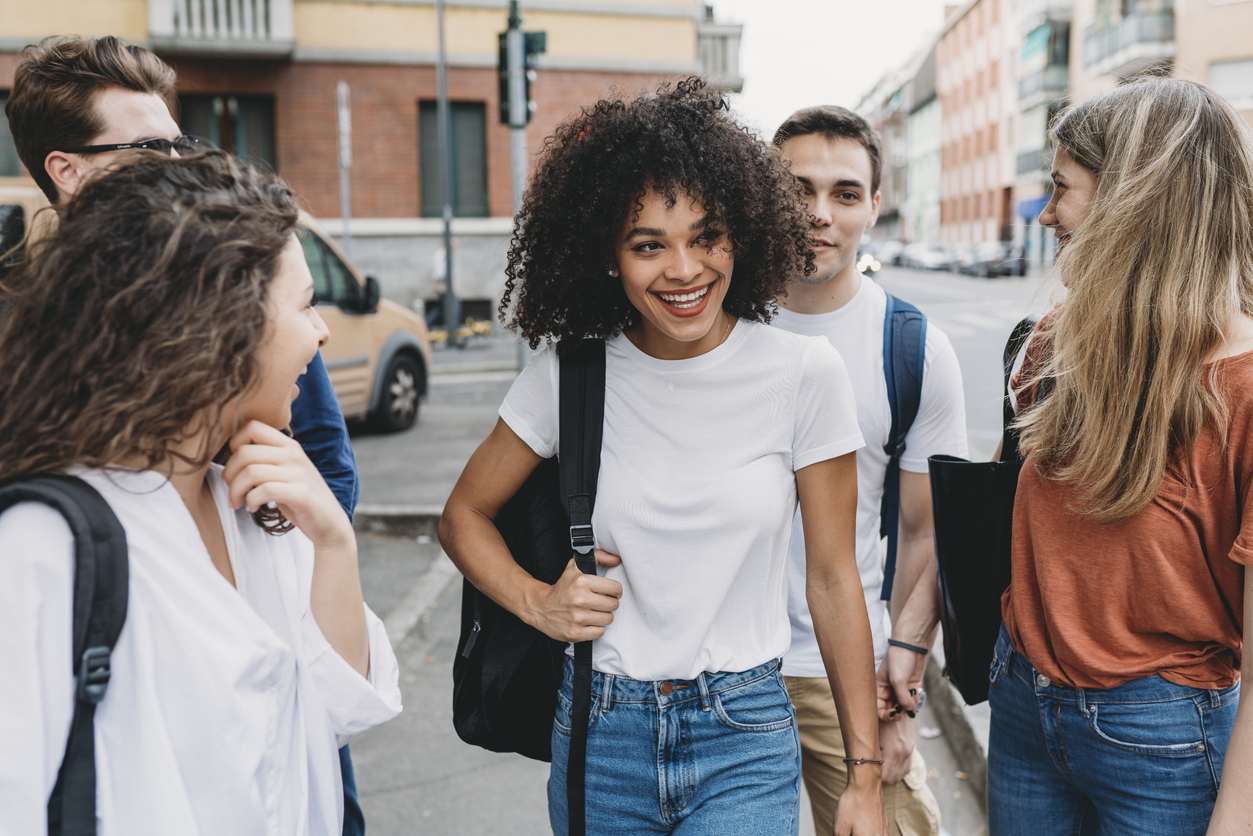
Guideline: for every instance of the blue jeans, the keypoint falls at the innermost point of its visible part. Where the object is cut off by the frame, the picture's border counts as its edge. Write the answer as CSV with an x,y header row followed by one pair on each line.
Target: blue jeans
x,y
1144,757
715,755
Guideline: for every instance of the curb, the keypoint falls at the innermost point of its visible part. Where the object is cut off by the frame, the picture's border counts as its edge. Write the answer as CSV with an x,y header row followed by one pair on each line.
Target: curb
x,y
472,368
950,716
398,520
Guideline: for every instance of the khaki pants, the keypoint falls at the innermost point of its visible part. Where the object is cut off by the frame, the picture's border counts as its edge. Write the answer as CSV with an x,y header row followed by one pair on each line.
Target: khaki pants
x,y
912,809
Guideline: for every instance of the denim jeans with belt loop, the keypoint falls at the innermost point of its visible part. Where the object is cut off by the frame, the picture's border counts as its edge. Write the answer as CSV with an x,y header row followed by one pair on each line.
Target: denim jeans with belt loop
x,y
1144,757
718,754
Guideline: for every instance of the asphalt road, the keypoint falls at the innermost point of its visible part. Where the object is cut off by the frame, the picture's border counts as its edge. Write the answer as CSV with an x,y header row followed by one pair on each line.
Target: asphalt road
x,y
414,775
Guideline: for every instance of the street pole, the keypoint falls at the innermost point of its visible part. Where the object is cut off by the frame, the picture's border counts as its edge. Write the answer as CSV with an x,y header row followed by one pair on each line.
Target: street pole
x,y
518,105
343,114
452,306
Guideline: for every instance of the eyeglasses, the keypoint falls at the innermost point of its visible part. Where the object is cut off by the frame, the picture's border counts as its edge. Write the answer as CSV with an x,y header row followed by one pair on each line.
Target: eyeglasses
x,y
184,145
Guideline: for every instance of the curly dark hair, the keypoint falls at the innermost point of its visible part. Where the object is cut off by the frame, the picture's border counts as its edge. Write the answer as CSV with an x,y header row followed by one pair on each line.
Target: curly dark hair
x,y
593,171
138,319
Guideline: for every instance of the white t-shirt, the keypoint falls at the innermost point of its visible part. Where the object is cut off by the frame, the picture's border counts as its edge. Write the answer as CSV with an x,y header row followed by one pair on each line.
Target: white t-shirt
x,y
856,331
225,705
697,490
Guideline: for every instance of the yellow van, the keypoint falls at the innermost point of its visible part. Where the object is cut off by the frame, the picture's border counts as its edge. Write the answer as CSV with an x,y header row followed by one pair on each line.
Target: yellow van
x,y
378,356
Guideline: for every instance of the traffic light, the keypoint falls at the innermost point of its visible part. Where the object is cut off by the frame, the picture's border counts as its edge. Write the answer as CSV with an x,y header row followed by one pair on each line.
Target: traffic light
x,y
528,45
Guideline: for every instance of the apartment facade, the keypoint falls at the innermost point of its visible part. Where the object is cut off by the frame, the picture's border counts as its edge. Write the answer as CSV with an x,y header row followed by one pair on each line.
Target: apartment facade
x,y
1200,40
258,77
921,212
1040,56
971,84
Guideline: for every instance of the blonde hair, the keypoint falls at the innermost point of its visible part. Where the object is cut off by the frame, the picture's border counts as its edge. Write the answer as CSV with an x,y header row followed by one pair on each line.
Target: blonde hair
x,y
1161,267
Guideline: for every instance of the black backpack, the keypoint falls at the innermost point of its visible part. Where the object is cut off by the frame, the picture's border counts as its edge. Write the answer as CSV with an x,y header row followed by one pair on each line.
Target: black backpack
x,y
101,584
506,674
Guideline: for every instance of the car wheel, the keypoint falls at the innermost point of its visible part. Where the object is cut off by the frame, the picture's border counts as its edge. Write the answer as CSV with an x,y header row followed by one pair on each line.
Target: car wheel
x,y
984,272
398,405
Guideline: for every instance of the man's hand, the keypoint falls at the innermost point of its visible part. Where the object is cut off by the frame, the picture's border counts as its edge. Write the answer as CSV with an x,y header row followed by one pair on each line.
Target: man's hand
x,y
898,681
896,741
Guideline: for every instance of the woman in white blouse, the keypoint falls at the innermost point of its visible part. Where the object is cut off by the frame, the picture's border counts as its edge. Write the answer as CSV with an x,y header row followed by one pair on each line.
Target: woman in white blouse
x,y
664,228
163,327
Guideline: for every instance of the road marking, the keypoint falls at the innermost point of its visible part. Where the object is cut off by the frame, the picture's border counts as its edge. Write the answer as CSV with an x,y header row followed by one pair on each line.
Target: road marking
x,y
419,598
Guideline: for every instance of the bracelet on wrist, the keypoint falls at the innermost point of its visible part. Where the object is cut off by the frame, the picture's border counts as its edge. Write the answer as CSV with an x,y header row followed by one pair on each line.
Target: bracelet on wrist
x,y
917,648
859,761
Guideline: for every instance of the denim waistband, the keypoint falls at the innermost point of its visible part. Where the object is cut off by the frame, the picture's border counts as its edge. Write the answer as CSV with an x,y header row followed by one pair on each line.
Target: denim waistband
x,y
620,689
1153,688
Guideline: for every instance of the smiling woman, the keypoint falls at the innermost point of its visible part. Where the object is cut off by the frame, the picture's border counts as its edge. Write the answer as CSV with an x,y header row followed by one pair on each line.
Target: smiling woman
x,y
662,227
160,327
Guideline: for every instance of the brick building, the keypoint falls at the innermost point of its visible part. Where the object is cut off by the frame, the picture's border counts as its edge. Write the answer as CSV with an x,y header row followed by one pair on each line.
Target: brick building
x,y
258,77
975,199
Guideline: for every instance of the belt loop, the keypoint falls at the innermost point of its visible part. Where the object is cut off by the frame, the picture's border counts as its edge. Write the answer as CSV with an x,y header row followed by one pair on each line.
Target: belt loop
x,y
1213,698
606,693
705,704
1083,701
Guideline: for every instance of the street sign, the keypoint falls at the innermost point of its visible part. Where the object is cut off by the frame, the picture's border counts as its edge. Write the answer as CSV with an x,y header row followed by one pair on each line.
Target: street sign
x,y
344,123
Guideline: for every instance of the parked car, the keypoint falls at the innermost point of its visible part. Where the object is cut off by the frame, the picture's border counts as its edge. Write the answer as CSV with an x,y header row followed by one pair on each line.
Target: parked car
x,y
993,258
927,257
885,250
378,355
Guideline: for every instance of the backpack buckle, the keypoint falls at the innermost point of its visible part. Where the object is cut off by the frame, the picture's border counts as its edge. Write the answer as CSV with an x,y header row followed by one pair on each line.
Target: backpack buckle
x,y
582,539
93,674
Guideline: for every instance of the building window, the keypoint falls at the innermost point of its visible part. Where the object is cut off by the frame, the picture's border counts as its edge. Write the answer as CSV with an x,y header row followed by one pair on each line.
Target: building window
x,y
242,125
469,160
9,165
1233,80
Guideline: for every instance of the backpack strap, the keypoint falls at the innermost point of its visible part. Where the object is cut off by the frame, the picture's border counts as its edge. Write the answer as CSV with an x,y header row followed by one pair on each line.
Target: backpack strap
x,y
904,353
101,578
581,418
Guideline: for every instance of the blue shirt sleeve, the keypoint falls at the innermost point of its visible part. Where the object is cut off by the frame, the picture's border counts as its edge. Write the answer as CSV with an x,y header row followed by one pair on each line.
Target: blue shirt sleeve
x,y
318,425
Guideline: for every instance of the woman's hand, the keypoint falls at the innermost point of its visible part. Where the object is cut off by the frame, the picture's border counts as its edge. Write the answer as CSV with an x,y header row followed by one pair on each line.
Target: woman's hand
x,y
578,606
861,810
898,682
267,466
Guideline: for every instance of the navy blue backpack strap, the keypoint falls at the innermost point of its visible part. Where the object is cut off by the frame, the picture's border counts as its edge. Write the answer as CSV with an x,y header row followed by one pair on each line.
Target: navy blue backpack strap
x,y
904,353
101,578
582,416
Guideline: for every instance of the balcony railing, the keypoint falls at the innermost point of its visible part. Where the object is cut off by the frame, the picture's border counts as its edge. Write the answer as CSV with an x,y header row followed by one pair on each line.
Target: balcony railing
x,y
222,27
1049,83
718,48
1129,45
1032,13
1031,161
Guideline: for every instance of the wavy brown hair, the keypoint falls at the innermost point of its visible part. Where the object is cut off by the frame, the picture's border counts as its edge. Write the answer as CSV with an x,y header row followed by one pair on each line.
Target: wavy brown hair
x,y
1156,274
129,328
591,174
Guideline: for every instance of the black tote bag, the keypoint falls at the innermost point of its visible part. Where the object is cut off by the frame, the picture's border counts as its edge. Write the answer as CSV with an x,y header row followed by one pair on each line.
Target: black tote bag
x,y
972,506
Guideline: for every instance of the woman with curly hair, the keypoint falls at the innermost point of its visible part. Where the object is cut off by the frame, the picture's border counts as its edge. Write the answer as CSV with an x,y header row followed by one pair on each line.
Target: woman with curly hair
x,y
168,319
663,228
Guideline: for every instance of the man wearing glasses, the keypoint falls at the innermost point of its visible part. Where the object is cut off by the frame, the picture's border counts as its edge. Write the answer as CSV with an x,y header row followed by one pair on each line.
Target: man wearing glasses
x,y
76,105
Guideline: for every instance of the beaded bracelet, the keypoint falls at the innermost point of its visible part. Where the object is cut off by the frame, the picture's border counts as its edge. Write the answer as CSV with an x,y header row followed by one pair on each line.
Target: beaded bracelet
x,y
914,647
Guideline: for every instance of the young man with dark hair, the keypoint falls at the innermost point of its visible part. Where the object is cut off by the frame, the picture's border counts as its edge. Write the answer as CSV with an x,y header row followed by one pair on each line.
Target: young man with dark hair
x,y
76,104
837,158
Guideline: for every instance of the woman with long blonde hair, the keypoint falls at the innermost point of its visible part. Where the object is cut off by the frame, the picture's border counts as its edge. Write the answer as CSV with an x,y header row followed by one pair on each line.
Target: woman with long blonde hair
x,y
1116,680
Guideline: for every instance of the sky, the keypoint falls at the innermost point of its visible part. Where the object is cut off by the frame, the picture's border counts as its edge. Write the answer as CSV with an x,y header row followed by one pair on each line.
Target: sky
x,y
798,53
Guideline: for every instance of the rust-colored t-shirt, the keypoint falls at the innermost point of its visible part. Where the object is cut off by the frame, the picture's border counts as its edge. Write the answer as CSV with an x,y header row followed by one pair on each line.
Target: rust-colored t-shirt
x,y
1094,605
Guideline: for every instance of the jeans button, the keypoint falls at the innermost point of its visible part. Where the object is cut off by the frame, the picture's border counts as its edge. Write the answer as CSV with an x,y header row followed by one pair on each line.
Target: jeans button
x,y
666,688
1042,680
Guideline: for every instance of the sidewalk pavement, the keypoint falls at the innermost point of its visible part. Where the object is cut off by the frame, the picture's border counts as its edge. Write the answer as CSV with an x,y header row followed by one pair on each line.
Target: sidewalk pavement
x,y
405,479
